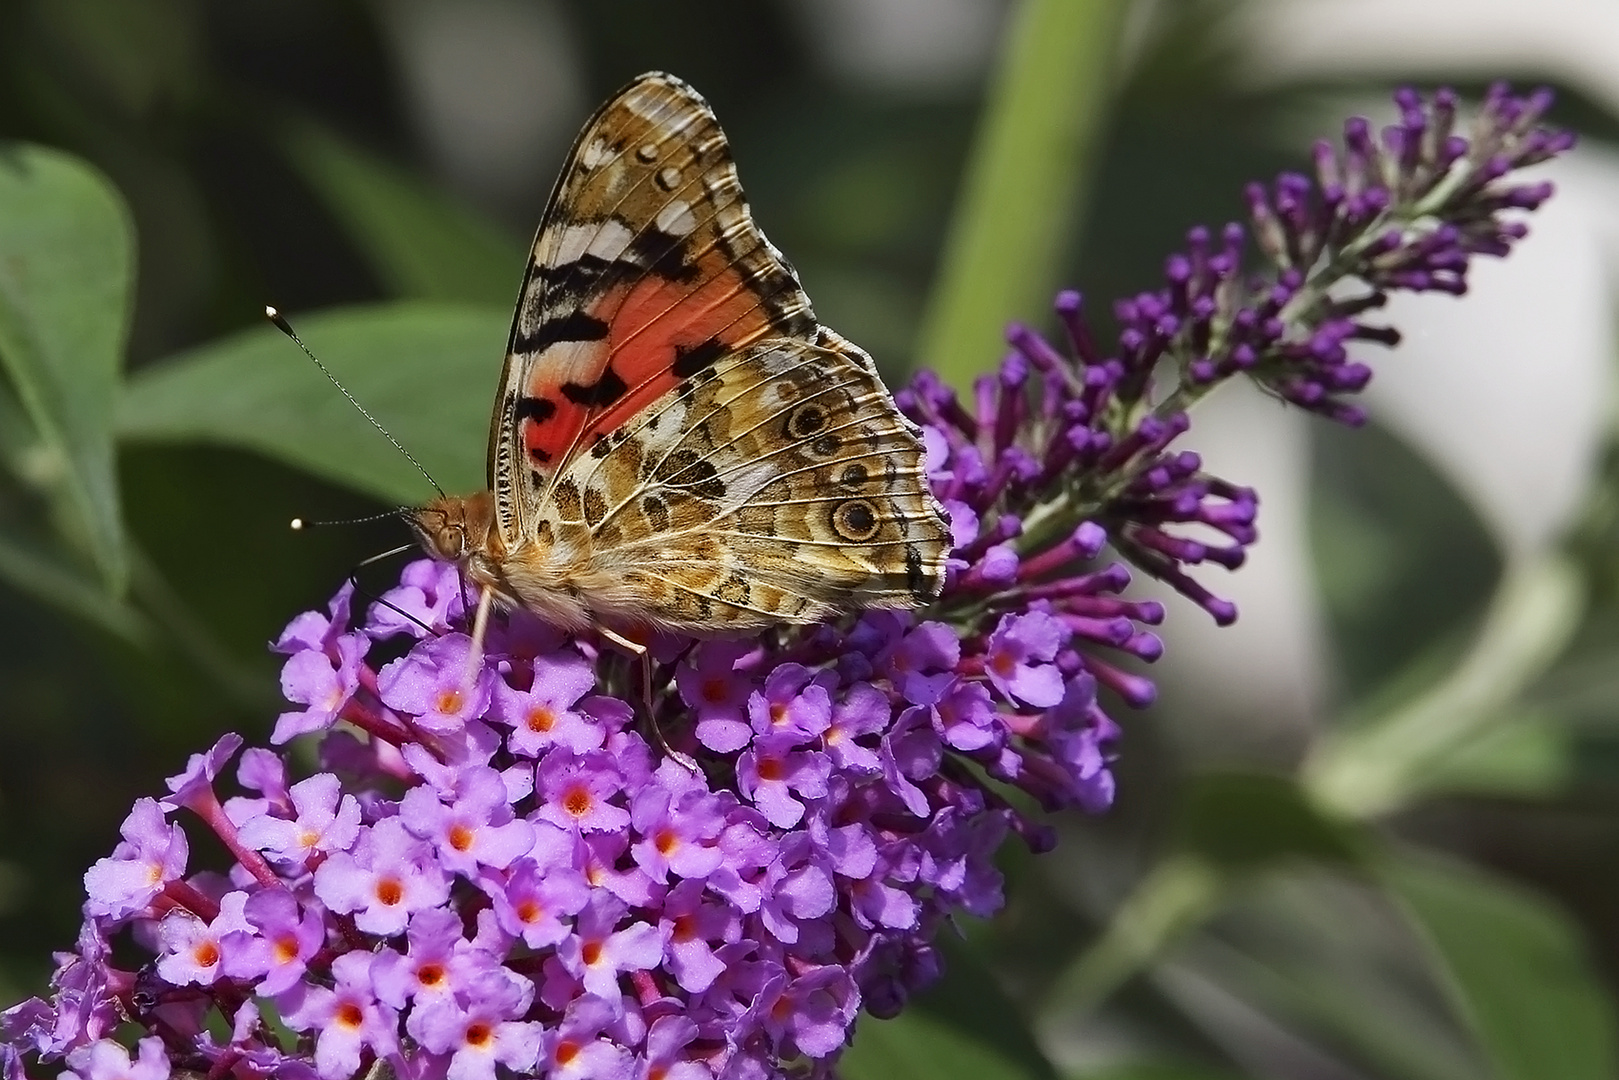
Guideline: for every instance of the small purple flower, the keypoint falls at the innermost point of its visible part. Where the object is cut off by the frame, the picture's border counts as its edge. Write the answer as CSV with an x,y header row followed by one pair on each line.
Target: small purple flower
x,y
428,594
438,682
1020,655
390,876
545,714
326,820
694,926
778,778
481,1030
152,854
681,829
793,702
476,829
598,952
577,1050
107,1060
710,683
578,792
276,949
534,899
322,680
193,950
666,1038
345,1019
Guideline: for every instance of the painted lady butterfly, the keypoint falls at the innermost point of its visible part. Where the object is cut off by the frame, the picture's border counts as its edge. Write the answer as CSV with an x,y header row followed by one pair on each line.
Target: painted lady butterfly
x,y
677,443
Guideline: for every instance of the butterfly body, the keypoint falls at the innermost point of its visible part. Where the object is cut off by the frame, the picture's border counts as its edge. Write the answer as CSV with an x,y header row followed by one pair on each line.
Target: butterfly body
x,y
677,442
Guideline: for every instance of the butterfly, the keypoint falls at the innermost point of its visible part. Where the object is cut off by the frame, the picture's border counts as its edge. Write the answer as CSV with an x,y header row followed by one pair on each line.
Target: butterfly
x,y
677,444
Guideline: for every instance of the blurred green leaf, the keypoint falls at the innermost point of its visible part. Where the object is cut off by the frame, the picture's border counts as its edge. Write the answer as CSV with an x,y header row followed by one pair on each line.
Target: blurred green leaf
x,y
1404,562
1180,892
66,276
1246,821
1517,971
417,239
1530,755
44,576
426,371
1156,1070
1024,189
963,1027
1383,764
1320,953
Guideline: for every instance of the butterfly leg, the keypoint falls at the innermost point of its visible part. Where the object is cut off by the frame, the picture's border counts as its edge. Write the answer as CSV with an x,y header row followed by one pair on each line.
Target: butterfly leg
x,y
644,656
480,627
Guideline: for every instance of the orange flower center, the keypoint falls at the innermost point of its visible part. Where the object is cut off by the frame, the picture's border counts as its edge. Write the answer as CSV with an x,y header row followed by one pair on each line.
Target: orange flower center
x,y
390,891
541,719
460,837
577,802
206,954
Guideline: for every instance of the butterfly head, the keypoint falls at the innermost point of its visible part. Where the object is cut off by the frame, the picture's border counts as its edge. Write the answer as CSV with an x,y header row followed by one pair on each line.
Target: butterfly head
x,y
456,528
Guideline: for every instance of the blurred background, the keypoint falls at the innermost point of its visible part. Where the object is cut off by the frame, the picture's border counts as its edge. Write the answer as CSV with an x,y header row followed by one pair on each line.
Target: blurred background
x,y
1369,831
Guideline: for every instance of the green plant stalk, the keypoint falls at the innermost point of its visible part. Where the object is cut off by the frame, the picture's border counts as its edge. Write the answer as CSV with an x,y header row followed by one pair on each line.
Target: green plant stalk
x,y
1177,894
1026,180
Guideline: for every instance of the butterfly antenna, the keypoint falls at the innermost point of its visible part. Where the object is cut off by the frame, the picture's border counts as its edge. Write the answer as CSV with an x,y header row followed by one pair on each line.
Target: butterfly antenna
x,y
298,524
353,578
285,327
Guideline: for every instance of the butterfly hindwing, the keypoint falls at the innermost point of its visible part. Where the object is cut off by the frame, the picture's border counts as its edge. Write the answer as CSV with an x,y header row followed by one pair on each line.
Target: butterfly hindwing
x,y
778,485
647,269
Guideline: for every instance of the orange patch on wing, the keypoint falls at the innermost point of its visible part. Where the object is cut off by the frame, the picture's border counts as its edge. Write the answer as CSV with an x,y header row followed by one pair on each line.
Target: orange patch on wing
x,y
659,317
649,322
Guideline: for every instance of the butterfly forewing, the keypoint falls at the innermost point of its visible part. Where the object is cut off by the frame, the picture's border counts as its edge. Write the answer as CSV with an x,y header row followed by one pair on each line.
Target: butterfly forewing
x,y
646,268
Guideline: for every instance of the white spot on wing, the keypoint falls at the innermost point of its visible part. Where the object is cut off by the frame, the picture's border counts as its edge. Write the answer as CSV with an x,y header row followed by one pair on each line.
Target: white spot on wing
x,y
676,218
607,239
594,153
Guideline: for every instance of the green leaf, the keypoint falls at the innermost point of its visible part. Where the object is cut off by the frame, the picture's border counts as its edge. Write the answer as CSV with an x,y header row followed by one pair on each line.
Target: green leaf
x,y
418,240
42,575
1517,971
963,1028
1025,183
426,371
1157,1070
66,276
1386,763
1246,821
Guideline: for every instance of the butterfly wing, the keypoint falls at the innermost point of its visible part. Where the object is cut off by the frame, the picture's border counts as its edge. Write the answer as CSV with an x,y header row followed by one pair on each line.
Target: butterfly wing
x,y
779,484
646,270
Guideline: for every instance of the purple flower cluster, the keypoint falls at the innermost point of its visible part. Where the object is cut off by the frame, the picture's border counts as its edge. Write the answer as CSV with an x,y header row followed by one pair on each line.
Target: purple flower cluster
x,y
507,872
510,861
1406,209
1084,434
